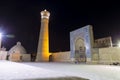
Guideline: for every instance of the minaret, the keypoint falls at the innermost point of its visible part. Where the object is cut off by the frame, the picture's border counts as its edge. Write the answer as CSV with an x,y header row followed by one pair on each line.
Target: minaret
x,y
43,44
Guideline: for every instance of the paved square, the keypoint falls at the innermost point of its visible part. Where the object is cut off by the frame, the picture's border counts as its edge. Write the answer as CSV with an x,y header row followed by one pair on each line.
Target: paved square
x,y
34,70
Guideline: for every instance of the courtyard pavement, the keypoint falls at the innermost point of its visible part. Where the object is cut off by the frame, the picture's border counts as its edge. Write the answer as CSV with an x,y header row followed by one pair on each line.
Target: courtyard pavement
x,y
35,70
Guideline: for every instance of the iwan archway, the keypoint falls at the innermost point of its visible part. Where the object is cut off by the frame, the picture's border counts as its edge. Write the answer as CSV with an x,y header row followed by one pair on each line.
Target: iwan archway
x,y
80,48
81,44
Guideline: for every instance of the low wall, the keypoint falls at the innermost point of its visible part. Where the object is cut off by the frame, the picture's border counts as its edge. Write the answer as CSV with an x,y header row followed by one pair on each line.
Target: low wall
x,y
109,55
26,57
61,56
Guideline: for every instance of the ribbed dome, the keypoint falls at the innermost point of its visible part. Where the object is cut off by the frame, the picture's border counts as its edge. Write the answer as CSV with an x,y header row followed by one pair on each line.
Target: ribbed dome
x,y
18,48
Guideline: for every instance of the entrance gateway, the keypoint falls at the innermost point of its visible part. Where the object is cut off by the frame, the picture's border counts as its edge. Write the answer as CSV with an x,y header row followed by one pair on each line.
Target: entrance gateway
x,y
81,44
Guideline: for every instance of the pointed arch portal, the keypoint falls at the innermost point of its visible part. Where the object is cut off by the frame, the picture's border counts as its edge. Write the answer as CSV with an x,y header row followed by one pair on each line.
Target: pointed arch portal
x,y
80,50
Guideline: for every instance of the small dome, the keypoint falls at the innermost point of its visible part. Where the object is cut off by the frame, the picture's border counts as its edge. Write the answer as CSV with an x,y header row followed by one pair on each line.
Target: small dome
x,y
18,48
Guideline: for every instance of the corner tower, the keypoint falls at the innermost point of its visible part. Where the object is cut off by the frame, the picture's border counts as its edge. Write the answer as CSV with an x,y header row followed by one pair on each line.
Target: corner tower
x,y
43,43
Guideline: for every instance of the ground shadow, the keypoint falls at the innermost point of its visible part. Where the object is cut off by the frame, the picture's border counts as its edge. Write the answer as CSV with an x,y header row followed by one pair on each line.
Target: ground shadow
x,y
61,78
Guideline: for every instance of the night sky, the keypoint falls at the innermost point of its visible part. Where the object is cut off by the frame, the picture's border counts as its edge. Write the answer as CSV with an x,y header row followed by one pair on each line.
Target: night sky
x,y
22,19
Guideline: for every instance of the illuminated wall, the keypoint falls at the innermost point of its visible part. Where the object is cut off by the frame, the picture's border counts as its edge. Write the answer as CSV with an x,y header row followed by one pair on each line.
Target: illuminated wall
x,y
109,55
61,56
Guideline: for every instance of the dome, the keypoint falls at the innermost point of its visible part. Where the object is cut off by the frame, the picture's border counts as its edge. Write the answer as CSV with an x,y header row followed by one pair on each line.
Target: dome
x,y
18,48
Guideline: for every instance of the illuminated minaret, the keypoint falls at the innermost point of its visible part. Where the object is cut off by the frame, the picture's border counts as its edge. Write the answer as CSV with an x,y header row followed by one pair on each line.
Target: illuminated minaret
x,y
43,44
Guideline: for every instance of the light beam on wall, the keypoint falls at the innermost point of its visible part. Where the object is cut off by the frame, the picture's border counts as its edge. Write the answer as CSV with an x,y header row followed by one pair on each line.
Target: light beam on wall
x,y
118,44
0,39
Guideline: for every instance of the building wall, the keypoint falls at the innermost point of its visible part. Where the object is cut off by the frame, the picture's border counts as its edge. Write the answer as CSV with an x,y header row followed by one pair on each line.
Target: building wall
x,y
15,57
109,55
20,57
26,57
3,55
103,42
95,55
61,56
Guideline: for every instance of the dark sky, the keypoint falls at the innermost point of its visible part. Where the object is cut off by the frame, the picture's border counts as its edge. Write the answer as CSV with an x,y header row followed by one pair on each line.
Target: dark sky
x,y
22,19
